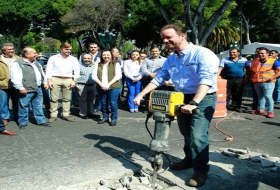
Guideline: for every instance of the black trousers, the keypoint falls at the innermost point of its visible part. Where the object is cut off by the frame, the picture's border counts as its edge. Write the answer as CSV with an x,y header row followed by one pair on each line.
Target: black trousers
x,y
235,87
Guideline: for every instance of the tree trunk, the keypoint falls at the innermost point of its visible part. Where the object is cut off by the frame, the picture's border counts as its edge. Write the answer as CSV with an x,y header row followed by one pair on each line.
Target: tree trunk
x,y
247,30
213,21
164,13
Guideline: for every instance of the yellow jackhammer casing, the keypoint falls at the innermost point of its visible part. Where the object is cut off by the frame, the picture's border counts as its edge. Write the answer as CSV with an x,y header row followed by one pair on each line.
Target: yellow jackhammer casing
x,y
165,101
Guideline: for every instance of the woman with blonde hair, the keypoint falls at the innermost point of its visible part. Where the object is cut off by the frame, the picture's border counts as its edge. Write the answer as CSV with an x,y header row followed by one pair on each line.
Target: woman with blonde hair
x,y
133,78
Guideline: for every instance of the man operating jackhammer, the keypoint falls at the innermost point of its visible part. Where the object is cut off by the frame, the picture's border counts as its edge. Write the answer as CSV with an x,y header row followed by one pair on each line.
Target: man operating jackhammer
x,y
193,70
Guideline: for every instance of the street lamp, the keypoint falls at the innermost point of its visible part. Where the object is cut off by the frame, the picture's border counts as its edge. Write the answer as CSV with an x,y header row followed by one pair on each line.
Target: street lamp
x,y
240,20
188,35
107,38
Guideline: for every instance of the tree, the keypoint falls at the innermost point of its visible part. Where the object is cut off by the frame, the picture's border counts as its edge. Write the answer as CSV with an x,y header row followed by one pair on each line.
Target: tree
x,y
16,17
201,17
143,22
221,37
265,27
95,16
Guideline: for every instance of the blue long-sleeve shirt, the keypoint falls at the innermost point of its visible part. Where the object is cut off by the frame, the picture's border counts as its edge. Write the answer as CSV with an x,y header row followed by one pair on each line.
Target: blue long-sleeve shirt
x,y
190,68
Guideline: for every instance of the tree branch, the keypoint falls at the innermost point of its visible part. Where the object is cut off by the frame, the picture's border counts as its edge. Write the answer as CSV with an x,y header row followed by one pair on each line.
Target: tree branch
x,y
164,13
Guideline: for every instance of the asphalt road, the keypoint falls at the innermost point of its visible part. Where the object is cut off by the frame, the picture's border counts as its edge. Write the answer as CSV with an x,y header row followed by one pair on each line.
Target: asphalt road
x,y
83,152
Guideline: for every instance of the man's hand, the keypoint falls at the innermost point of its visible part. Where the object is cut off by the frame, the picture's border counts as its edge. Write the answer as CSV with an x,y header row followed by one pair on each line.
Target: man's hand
x,y
46,86
23,92
51,86
187,109
72,84
137,99
270,80
135,80
152,75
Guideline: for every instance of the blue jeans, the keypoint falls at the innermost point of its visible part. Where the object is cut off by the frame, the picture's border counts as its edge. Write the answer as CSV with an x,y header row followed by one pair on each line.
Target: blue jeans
x,y
276,92
36,98
134,89
46,98
10,93
194,128
4,105
4,111
109,97
74,96
265,91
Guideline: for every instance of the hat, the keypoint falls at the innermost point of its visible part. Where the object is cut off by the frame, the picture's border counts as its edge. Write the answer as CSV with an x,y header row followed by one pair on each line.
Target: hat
x,y
129,52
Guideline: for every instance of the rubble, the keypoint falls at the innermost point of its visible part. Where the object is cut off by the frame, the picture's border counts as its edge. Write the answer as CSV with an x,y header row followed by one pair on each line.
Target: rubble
x,y
256,157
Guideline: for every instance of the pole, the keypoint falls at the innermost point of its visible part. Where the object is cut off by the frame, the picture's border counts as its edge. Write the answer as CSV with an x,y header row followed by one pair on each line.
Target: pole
x,y
241,18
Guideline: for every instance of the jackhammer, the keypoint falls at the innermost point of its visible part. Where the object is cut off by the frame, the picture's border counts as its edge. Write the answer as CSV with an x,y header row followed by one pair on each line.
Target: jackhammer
x,y
163,106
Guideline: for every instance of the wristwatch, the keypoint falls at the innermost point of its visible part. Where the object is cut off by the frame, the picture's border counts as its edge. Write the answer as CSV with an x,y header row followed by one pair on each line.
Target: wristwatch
x,y
192,102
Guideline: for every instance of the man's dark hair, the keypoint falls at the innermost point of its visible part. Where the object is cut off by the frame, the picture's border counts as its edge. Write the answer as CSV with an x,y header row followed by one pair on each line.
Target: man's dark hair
x,y
275,51
113,48
92,43
238,50
264,48
154,47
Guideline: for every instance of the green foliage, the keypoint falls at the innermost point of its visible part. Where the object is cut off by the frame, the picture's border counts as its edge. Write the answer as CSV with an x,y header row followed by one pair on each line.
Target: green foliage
x,y
125,47
144,23
264,20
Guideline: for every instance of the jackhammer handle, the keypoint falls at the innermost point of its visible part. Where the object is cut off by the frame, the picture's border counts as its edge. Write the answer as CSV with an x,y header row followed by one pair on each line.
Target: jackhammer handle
x,y
144,102
194,111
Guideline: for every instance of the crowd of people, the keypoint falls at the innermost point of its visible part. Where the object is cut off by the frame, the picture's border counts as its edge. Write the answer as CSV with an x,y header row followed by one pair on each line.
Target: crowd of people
x,y
263,74
95,81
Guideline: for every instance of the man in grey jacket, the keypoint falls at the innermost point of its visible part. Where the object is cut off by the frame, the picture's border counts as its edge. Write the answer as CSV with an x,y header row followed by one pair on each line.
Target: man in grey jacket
x,y
27,77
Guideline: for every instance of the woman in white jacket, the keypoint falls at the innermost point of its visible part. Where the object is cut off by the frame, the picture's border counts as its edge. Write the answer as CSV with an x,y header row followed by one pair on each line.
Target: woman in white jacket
x,y
133,78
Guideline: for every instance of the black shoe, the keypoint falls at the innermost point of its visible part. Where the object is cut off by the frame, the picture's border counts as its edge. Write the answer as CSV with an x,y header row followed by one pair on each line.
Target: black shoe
x,y
45,124
102,121
83,117
113,123
94,116
237,109
22,126
95,111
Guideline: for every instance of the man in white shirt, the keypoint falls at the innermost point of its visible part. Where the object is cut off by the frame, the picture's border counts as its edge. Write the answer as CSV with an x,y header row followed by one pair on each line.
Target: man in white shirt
x,y
27,77
62,72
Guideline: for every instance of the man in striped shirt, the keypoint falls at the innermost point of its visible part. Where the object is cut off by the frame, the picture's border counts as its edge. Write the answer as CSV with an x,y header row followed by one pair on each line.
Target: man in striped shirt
x,y
86,88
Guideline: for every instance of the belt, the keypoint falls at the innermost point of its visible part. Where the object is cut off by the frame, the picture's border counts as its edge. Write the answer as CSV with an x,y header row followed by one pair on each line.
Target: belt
x,y
86,84
192,95
62,77
233,78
